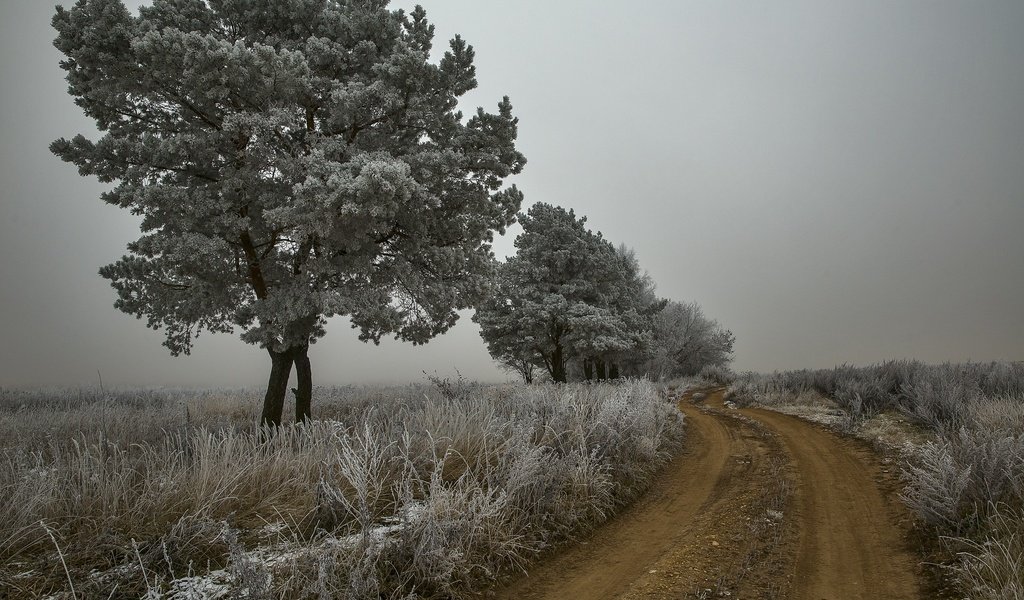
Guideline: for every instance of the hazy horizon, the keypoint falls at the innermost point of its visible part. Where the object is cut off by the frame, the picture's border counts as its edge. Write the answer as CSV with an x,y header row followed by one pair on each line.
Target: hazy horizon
x,y
834,182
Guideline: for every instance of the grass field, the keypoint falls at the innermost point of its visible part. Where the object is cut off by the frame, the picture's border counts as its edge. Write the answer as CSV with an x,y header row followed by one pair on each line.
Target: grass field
x,y
418,491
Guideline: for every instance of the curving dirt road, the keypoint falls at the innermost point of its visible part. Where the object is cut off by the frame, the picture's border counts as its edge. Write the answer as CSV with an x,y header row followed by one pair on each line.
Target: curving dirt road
x,y
850,545
760,505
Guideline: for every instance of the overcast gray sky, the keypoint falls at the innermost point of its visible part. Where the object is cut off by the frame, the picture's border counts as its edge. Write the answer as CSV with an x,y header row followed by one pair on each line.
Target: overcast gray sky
x,y
833,181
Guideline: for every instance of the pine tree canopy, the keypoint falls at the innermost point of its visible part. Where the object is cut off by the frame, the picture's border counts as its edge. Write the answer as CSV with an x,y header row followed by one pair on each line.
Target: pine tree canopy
x,y
567,293
291,160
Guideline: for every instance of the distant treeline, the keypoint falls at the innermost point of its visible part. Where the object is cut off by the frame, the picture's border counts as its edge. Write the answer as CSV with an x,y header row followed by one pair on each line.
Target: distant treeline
x,y
570,305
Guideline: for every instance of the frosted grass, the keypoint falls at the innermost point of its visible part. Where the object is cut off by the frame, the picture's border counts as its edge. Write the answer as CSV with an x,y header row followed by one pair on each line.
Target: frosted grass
x,y
423,492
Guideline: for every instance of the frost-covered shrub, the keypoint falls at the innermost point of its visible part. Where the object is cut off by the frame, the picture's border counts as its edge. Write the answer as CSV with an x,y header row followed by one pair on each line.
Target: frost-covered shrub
x,y
860,398
938,400
958,479
718,374
936,396
1000,413
767,390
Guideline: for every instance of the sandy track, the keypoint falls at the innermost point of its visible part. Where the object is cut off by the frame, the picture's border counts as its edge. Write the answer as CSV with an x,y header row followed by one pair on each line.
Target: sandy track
x,y
616,555
699,532
850,546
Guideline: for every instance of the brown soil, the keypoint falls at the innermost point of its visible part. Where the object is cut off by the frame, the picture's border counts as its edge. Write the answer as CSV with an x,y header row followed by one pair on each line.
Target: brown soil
x,y
759,505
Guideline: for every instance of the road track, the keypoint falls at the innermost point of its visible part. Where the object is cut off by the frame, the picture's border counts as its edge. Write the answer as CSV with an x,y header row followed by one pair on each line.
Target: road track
x,y
759,505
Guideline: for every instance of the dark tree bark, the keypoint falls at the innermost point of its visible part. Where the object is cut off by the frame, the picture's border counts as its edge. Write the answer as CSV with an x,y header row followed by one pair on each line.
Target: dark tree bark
x,y
526,370
277,387
304,391
601,376
558,365
588,369
613,370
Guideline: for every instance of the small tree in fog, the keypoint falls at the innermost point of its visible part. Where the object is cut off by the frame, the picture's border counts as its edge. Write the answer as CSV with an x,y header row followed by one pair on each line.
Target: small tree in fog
x,y
523,366
290,162
686,341
559,297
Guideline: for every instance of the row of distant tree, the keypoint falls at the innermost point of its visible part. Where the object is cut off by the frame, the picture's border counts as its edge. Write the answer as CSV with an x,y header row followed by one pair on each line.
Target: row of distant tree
x,y
571,305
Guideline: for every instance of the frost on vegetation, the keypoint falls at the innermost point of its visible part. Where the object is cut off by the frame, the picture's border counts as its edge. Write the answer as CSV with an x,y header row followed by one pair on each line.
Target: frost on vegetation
x,y
936,396
677,386
420,492
992,568
958,480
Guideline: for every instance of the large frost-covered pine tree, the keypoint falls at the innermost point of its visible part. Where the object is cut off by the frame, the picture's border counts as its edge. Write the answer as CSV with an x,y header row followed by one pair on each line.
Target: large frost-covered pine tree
x,y
291,160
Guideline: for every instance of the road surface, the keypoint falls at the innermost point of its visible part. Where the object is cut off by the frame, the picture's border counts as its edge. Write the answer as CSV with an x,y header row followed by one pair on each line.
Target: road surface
x,y
759,505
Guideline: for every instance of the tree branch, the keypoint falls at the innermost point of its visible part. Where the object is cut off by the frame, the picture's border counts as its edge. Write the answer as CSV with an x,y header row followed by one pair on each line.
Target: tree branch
x,y
259,285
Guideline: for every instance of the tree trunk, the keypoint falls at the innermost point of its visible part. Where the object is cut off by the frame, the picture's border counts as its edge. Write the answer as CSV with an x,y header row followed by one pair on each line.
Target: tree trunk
x,y
613,370
527,372
600,370
277,387
588,369
558,365
304,391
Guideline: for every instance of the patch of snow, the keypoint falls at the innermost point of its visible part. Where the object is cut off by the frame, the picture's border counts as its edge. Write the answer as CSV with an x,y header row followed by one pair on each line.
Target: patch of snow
x,y
378,534
217,585
212,586
819,414
272,529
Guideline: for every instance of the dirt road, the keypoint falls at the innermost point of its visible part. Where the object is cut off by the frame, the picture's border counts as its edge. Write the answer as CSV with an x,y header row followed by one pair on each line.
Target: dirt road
x,y
760,505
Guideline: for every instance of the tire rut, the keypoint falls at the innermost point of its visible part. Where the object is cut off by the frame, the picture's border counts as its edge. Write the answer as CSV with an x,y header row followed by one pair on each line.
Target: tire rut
x,y
851,545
